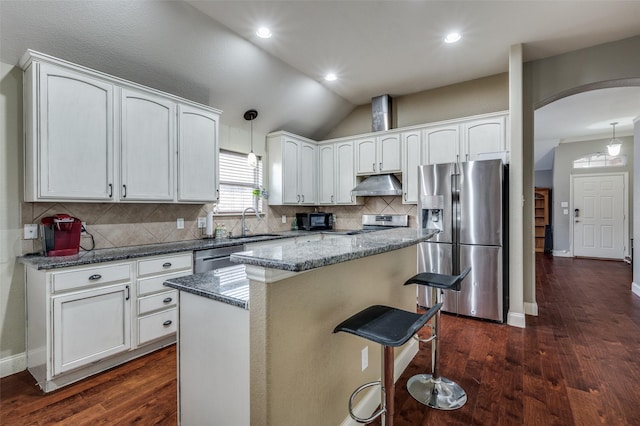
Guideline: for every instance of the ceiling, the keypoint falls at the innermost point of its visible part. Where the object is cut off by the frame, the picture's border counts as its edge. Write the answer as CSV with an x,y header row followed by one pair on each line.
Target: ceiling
x,y
207,51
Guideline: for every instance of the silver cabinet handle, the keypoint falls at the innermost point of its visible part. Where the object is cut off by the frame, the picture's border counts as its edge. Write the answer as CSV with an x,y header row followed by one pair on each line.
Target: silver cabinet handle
x,y
303,198
110,190
405,196
124,188
128,293
217,194
298,198
166,265
457,158
167,300
332,198
374,167
380,169
167,323
95,277
466,156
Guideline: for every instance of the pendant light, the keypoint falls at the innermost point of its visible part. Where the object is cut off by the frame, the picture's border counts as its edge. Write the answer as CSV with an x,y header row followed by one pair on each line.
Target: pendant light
x,y
614,145
252,160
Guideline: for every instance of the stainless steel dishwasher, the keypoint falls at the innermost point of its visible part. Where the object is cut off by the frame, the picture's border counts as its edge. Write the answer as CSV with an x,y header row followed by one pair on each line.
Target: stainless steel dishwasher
x,y
215,258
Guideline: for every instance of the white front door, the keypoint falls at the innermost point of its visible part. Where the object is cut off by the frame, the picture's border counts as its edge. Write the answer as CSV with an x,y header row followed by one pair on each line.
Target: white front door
x,y
598,216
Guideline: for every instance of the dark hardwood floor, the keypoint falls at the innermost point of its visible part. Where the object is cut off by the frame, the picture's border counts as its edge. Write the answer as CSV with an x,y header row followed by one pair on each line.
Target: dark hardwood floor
x,y
577,363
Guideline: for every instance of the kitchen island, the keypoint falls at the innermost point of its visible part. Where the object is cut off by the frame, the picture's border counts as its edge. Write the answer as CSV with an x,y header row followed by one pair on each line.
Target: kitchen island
x,y
270,357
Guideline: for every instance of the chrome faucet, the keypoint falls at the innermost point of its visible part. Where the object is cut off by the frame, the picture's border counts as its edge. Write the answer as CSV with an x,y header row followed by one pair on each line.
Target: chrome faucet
x,y
244,212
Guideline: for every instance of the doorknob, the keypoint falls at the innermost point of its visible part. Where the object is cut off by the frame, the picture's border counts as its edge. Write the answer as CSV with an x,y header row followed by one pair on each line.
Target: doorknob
x,y
576,213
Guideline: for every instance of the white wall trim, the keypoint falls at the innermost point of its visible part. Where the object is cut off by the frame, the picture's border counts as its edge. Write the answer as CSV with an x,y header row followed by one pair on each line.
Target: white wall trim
x,y
516,319
531,308
371,399
562,253
13,364
635,289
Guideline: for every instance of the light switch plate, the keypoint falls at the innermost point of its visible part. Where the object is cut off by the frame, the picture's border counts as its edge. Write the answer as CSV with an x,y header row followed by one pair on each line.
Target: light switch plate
x,y
31,231
565,211
284,219
180,223
564,204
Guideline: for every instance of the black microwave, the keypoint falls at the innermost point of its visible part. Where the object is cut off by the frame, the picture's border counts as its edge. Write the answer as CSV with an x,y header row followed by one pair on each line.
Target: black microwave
x,y
314,221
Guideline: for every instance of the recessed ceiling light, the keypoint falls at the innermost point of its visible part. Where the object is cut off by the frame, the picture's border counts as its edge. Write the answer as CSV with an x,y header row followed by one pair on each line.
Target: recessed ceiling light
x,y
331,77
263,32
452,37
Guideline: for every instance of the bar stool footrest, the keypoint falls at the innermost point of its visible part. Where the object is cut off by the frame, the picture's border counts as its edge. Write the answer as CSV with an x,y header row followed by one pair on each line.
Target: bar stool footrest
x,y
440,393
377,413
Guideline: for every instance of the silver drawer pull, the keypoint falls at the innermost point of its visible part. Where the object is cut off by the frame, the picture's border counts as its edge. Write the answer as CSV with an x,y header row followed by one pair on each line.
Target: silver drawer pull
x,y
166,264
167,300
95,277
167,323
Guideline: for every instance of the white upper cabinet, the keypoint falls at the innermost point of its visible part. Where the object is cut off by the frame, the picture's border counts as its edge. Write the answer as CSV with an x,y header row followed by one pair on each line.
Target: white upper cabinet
x,y
411,155
69,135
378,154
92,137
442,144
148,147
345,173
483,136
292,170
327,174
197,155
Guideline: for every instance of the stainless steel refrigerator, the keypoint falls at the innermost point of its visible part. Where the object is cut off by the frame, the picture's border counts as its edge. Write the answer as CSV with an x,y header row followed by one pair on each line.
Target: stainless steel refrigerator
x,y
467,204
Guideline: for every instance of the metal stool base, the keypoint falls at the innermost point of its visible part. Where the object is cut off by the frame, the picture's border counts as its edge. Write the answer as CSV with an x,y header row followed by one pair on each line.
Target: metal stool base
x,y
441,393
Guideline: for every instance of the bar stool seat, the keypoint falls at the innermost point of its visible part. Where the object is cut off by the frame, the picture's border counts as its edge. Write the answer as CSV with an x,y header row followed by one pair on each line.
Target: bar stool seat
x,y
432,389
390,327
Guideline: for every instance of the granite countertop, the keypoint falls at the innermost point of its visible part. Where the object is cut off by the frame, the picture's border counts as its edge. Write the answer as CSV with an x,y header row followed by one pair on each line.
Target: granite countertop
x,y
132,252
229,286
303,256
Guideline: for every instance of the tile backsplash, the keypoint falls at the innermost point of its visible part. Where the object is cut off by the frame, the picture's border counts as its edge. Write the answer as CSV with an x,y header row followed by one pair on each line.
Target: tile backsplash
x,y
120,224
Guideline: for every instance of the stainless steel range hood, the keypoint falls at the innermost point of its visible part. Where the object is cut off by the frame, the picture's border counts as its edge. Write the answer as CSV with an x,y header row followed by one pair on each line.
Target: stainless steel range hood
x,y
378,185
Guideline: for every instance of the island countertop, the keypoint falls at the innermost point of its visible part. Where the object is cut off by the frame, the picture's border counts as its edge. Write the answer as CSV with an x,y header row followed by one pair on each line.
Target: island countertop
x,y
230,287
303,256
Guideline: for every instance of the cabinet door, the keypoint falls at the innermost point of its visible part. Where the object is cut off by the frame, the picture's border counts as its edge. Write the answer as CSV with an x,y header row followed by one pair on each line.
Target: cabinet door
x,y
197,155
90,325
389,159
307,186
147,147
481,136
290,194
441,144
345,173
366,156
75,146
411,142
326,175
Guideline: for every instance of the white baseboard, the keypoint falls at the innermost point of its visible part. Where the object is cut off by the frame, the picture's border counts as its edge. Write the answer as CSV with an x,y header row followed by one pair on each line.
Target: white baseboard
x,y
13,364
635,289
516,319
371,399
531,308
562,253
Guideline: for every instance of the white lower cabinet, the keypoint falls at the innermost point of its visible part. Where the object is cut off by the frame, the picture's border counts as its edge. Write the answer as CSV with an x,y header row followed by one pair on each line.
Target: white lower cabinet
x,y
86,319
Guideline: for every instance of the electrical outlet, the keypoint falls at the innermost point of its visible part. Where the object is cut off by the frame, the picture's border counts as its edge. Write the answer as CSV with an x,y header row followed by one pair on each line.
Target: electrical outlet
x,y
202,222
31,231
284,218
180,223
365,358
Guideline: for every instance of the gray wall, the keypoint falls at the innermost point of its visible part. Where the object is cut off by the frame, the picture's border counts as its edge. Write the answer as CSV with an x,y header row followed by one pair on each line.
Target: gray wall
x,y
544,179
565,154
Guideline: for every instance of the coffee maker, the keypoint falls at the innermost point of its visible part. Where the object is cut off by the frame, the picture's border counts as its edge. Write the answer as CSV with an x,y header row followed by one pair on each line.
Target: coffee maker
x,y
60,235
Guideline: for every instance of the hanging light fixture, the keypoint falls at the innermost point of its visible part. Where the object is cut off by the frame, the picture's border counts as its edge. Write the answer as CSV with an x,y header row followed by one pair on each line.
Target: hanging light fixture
x,y
252,160
614,145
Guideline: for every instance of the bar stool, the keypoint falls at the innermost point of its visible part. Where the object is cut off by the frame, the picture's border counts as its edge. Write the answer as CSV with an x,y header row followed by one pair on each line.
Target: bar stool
x,y
432,389
390,327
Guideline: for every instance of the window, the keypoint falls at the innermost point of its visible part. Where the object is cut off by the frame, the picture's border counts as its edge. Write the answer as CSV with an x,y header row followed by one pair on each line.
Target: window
x,y
600,160
237,182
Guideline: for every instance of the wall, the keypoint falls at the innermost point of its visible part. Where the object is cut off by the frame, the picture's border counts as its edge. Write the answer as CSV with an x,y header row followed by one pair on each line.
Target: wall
x,y
562,171
480,96
636,206
12,296
543,179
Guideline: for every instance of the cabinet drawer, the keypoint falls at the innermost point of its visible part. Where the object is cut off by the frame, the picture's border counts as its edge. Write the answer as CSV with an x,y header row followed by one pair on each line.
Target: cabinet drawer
x,y
155,284
155,326
157,301
164,264
85,277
